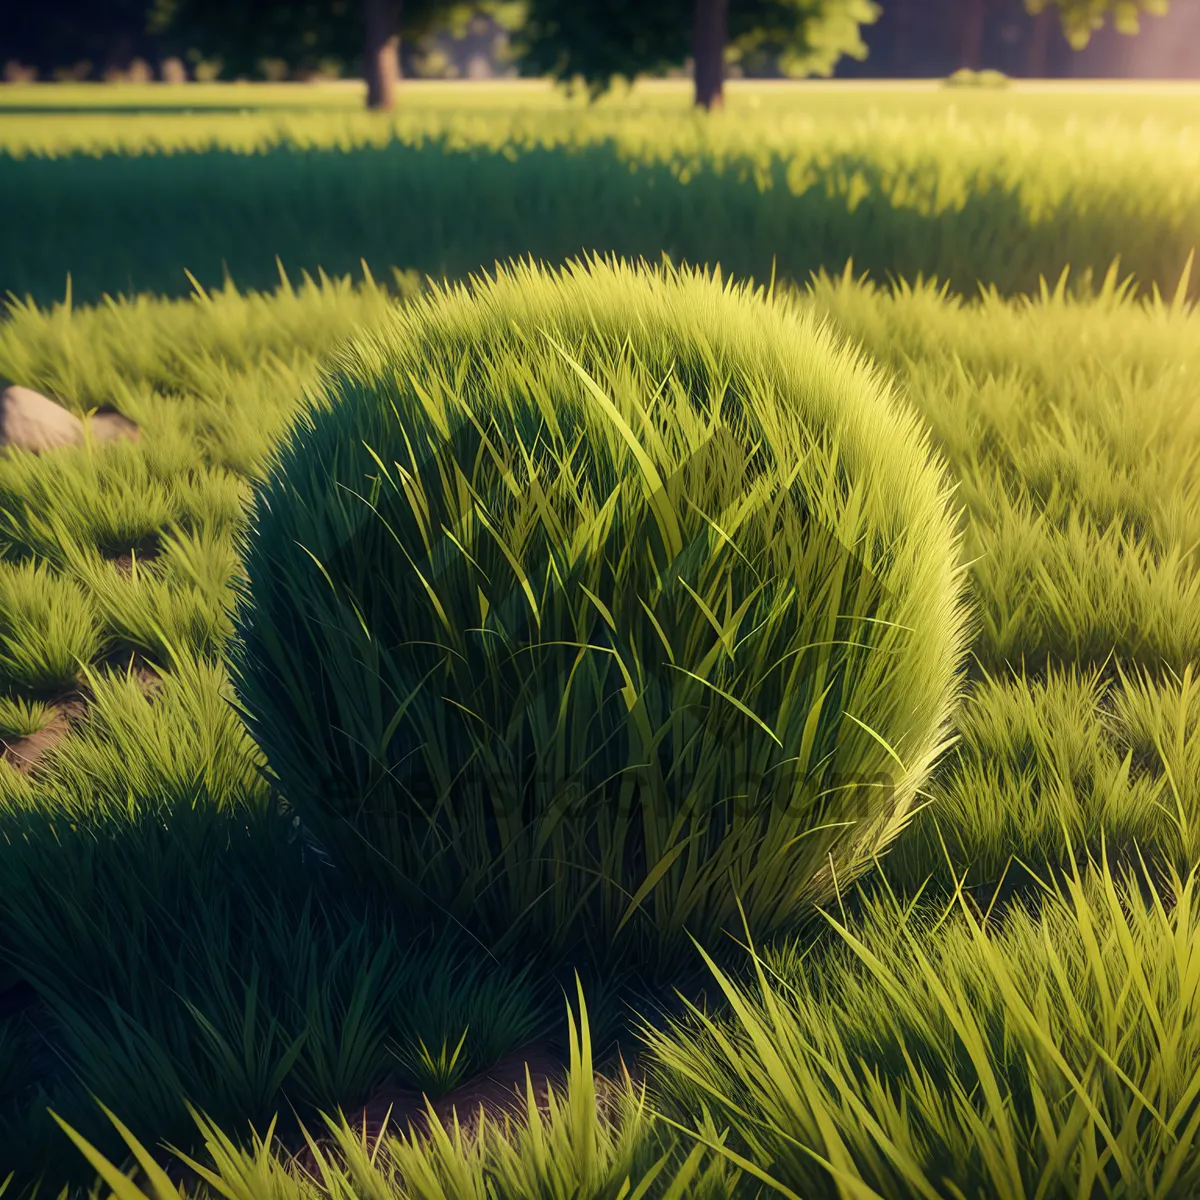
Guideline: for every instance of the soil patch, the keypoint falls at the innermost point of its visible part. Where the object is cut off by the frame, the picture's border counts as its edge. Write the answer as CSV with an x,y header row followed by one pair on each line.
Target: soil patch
x,y
25,754
392,1110
143,671
124,562
497,1093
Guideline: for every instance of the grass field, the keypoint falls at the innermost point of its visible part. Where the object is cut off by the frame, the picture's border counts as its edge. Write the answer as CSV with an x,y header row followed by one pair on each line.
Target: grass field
x,y
174,943
999,187
1049,102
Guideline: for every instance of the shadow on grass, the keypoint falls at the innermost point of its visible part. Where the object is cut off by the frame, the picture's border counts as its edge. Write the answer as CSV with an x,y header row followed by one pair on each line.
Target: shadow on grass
x,y
131,223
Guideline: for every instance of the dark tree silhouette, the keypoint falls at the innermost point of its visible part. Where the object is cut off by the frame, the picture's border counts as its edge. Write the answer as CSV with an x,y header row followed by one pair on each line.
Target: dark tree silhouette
x,y
107,34
241,33
603,40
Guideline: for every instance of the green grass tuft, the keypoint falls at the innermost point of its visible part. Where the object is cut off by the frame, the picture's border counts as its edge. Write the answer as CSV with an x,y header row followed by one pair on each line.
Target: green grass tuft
x,y
595,599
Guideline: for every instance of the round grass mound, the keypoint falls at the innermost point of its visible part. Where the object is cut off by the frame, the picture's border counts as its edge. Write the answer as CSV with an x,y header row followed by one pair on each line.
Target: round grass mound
x,y
610,602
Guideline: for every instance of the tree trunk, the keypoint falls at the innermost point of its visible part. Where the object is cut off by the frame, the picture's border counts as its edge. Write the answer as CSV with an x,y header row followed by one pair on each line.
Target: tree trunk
x,y
901,39
381,52
709,35
1039,44
974,18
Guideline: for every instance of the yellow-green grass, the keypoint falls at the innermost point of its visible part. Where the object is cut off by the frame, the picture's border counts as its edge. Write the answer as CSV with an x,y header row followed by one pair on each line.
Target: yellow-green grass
x,y
1050,102
1000,187
20,717
932,1055
1070,426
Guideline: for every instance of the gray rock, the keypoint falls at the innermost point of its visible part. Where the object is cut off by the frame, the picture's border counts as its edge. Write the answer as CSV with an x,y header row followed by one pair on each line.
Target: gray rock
x,y
33,422
112,427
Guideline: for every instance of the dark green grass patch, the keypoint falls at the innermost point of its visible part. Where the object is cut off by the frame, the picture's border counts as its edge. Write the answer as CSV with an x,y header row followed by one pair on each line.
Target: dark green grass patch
x,y
131,206
914,1053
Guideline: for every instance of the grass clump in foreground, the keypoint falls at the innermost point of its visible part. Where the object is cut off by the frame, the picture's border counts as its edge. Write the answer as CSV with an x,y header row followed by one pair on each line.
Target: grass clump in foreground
x,y
918,1053
934,1055
148,835
590,601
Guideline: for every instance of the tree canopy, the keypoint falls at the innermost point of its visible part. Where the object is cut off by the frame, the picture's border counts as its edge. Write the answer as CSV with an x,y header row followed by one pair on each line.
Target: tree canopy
x,y
101,32
599,41
303,33
593,41
1081,18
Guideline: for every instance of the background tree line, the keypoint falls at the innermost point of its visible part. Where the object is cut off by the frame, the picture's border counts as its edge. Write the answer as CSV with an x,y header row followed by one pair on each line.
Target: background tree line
x,y
594,42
